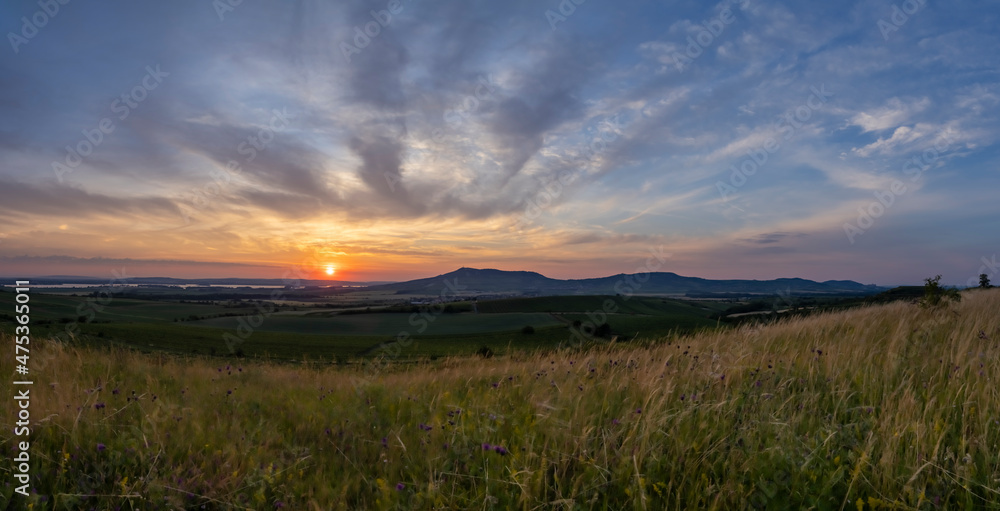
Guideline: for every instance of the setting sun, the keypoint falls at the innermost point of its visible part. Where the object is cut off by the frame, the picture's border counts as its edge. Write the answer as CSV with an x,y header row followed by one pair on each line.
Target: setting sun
x,y
330,270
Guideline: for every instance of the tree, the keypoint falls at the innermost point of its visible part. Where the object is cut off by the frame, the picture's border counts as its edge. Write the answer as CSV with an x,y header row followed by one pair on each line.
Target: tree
x,y
984,281
935,295
604,330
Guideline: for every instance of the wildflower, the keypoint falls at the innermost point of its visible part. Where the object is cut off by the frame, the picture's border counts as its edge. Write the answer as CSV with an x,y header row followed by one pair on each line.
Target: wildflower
x,y
98,406
486,447
500,450
115,391
400,486
638,410
101,447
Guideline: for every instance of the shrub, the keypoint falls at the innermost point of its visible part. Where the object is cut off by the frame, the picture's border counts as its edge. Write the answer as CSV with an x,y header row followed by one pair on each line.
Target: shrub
x,y
528,330
485,352
935,295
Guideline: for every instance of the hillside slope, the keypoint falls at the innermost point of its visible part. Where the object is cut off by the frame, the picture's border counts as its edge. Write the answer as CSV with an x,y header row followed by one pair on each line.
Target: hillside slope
x,y
884,407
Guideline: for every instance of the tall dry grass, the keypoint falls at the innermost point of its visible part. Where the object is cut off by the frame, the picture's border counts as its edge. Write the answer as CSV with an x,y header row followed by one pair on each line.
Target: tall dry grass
x,y
885,407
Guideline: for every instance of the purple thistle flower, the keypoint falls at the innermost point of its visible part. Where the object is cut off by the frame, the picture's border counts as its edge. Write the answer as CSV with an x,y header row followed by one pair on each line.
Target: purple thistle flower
x,y
400,486
101,447
500,450
486,447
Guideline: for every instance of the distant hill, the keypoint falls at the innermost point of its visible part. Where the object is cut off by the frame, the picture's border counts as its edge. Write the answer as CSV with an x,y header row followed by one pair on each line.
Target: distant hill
x,y
55,280
477,281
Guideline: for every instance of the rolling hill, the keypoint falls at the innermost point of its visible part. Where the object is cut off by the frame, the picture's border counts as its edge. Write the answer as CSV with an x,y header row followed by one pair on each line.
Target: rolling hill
x,y
471,281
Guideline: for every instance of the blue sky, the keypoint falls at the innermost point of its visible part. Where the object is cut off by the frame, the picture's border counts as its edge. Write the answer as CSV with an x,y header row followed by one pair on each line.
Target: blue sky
x,y
566,139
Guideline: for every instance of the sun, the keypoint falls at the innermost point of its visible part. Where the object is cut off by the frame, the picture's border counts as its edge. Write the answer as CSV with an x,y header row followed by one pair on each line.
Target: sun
x,y
330,270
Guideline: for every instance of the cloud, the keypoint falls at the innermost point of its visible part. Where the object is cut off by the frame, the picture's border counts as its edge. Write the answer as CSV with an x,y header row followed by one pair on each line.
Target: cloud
x,y
894,113
773,237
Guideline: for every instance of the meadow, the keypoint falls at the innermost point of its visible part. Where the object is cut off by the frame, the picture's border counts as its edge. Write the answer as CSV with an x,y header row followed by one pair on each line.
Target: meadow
x,y
334,329
890,406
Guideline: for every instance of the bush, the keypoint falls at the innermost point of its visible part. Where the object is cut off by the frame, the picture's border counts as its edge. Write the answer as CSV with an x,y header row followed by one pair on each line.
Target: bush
x,y
485,352
528,330
604,330
935,295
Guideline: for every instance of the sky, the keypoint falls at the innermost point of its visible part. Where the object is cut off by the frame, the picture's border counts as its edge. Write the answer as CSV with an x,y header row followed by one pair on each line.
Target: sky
x,y
390,140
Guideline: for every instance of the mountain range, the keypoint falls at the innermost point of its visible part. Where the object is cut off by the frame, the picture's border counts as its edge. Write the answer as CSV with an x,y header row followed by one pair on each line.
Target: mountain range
x,y
483,281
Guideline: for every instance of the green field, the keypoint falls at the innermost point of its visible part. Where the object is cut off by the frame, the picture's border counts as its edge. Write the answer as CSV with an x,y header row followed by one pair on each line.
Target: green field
x,y
391,324
326,331
619,304
55,307
187,340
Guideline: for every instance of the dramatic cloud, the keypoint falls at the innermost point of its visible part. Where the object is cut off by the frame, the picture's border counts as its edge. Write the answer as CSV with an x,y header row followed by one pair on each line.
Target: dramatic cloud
x,y
405,139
